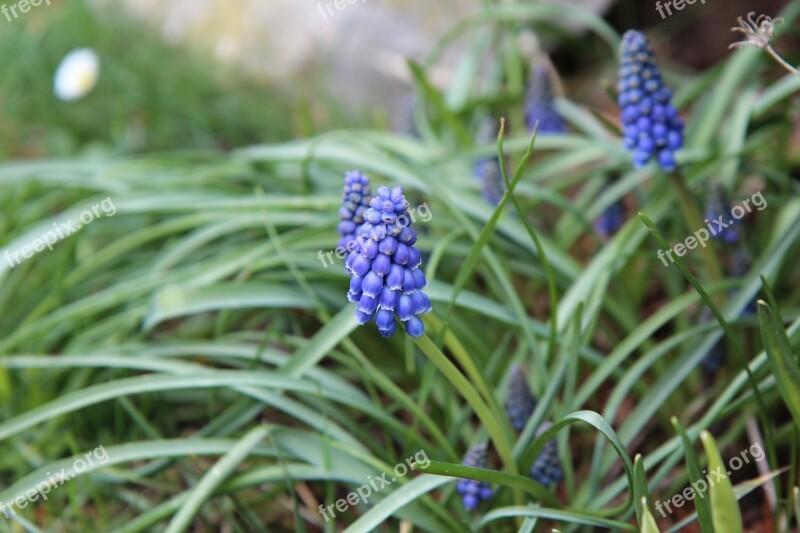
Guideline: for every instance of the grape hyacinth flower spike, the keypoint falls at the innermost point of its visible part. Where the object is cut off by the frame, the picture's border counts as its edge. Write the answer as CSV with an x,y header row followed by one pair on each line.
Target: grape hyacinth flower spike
x,y
520,402
546,469
474,491
539,101
386,279
487,168
652,126
355,202
718,208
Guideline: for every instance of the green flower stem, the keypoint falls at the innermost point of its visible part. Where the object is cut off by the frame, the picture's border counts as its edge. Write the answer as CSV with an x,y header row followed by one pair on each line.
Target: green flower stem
x,y
490,420
475,375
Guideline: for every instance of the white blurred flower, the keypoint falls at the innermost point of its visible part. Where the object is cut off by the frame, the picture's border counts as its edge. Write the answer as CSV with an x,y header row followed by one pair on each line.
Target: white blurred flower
x,y
77,74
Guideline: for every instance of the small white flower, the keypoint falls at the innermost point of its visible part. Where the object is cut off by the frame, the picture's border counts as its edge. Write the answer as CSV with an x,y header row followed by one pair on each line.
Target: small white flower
x,y
77,74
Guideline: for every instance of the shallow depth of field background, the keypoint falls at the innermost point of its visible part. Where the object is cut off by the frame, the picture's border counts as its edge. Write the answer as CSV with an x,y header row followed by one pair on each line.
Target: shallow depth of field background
x,y
199,314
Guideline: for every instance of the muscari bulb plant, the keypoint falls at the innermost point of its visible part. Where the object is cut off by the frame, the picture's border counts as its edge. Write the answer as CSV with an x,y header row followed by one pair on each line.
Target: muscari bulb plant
x,y
474,491
386,279
718,207
610,220
546,469
520,402
652,126
539,101
487,169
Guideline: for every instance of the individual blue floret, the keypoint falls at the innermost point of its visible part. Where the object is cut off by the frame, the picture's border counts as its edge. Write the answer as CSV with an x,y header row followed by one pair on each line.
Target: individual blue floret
x,y
386,279
355,202
474,491
652,127
520,402
546,469
539,101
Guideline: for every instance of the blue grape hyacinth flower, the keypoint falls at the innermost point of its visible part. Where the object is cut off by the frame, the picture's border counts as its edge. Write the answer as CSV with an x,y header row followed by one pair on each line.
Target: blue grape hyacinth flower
x,y
652,126
355,202
718,215
610,220
539,101
386,278
546,469
520,402
474,491
487,168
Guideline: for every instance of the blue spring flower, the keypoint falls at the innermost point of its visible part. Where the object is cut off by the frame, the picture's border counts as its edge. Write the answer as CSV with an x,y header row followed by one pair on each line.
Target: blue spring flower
x,y
474,491
718,215
355,201
653,128
546,469
520,402
539,102
487,169
611,220
386,280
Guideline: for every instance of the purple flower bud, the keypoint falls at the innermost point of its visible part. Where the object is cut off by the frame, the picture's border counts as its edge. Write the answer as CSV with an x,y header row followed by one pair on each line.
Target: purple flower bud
x,y
372,284
377,233
388,245
384,318
362,317
394,280
405,307
420,302
368,304
402,254
369,248
419,279
388,299
408,236
372,216
355,284
389,331
381,265
413,258
415,327
409,283
360,266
